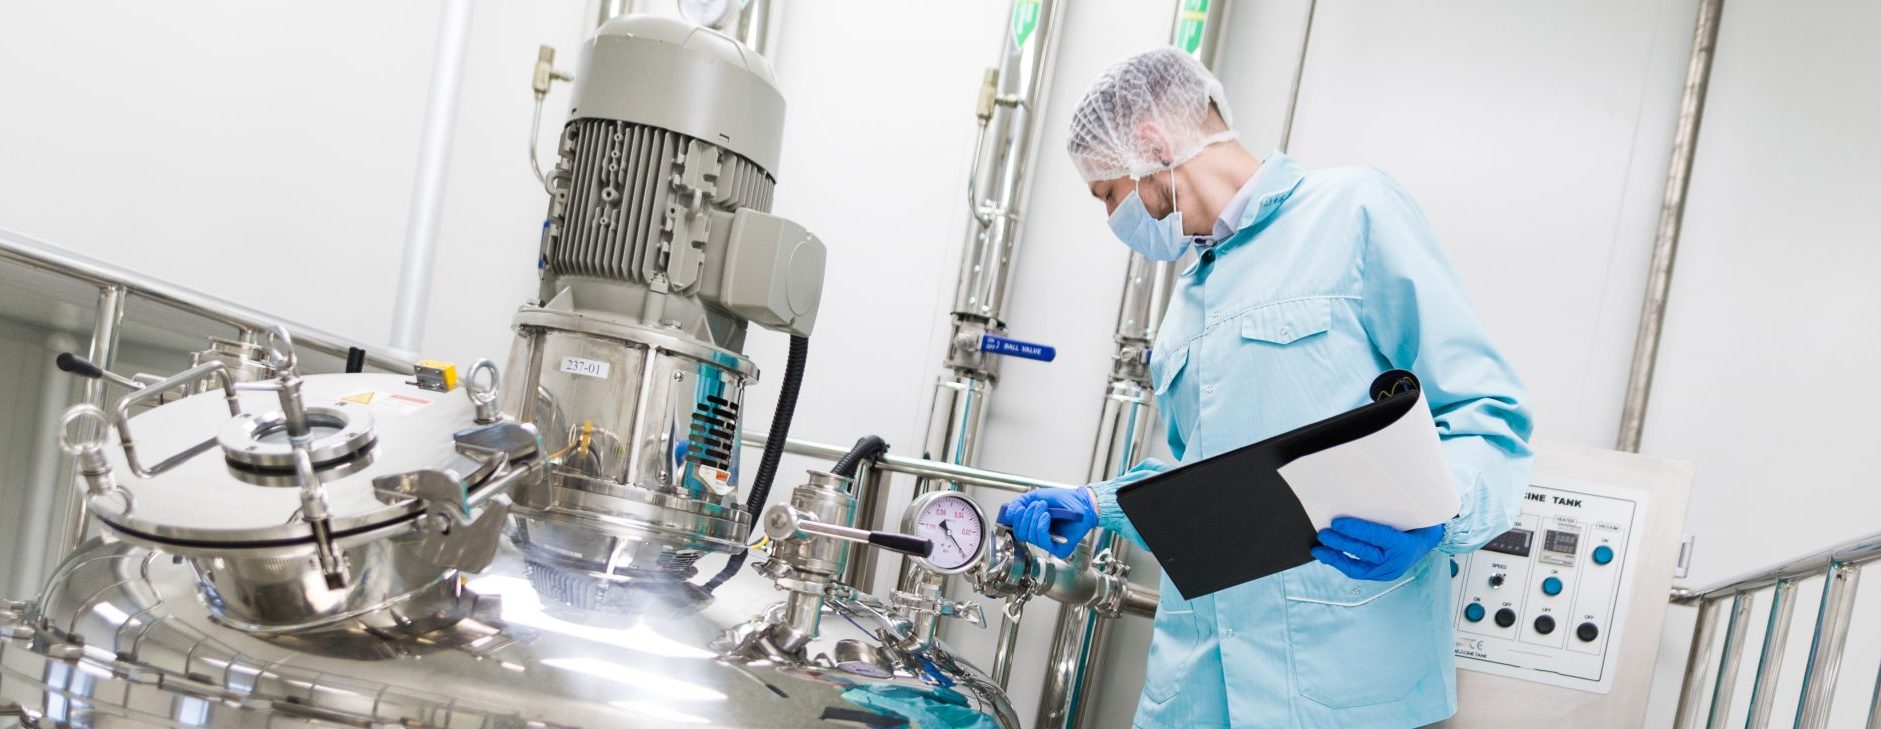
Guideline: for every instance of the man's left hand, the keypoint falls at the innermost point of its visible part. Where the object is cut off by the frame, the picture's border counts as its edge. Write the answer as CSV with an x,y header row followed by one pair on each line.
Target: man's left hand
x,y
1366,550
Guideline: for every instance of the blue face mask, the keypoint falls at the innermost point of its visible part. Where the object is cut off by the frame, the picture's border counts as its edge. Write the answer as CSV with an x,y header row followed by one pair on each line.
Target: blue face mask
x,y
1157,240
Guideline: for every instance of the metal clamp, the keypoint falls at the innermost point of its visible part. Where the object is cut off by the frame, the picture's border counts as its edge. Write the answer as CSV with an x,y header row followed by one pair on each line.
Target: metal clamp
x,y
932,603
483,397
88,449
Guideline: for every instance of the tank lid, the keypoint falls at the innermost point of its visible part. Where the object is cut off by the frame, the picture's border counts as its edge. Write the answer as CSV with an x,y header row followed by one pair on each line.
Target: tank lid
x,y
243,495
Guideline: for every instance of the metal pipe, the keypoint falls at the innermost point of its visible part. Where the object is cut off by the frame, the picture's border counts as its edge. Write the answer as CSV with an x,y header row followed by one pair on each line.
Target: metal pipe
x,y
754,25
1776,634
69,519
1011,118
871,485
1003,163
1874,705
1825,647
1299,72
1696,661
50,466
427,194
964,475
1129,410
1728,658
22,249
1005,644
1671,224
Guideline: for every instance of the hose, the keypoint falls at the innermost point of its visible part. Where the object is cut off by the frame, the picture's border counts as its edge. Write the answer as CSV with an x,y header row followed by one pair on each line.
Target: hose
x,y
867,448
773,449
780,425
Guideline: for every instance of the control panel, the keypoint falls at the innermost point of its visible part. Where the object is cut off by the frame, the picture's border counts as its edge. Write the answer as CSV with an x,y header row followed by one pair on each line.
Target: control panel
x,y
1540,601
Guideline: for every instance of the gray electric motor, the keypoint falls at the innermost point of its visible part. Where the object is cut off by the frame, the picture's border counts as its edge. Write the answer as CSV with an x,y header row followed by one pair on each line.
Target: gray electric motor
x,y
657,253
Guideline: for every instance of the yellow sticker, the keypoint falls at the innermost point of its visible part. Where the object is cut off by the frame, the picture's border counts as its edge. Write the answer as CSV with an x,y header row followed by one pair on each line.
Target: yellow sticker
x,y
364,398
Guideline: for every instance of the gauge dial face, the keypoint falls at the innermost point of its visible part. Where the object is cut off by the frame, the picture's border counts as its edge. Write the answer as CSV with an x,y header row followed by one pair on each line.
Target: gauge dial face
x,y
956,527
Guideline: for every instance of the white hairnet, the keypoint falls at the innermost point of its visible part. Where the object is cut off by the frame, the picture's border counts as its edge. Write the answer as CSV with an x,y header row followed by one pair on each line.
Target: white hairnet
x,y
1165,87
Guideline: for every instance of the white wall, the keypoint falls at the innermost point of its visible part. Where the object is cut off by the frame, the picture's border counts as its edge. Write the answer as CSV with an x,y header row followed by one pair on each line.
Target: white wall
x,y
1770,334
265,154
198,142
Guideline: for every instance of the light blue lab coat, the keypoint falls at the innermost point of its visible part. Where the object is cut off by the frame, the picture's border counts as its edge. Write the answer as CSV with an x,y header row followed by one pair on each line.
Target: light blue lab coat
x,y
1330,279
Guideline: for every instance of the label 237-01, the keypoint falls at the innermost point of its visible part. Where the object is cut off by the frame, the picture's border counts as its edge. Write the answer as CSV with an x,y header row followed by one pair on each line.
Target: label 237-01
x,y
584,367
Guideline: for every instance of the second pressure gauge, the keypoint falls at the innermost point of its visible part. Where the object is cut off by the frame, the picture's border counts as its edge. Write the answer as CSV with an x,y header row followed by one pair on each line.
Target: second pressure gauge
x,y
956,526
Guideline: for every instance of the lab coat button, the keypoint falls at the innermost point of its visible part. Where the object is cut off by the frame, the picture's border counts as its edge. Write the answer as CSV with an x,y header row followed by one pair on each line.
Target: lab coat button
x,y
1227,632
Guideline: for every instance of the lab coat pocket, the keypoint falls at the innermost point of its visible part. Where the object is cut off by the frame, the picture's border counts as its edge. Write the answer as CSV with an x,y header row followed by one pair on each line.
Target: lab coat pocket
x,y
1174,644
1358,642
1286,322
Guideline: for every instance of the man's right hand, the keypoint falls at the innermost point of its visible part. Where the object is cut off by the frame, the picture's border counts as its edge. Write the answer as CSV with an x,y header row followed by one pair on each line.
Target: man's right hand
x,y
1054,520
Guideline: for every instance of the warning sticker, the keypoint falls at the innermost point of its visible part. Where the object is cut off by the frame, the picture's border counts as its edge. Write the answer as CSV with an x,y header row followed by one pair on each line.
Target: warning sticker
x,y
391,403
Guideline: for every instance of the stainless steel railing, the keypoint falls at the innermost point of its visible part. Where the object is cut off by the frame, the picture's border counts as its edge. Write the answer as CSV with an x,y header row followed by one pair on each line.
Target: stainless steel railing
x,y
1840,568
21,249
116,287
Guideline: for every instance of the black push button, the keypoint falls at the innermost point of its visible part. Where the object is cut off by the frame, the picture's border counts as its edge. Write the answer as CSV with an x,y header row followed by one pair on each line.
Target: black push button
x,y
1587,632
1505,617
1544,624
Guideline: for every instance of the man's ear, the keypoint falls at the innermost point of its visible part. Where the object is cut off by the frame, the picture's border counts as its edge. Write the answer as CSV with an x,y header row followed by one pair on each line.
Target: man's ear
x,y
1152,142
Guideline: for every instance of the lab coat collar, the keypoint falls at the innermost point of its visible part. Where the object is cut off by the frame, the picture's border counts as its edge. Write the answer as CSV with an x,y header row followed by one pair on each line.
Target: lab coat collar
x,y
1270,186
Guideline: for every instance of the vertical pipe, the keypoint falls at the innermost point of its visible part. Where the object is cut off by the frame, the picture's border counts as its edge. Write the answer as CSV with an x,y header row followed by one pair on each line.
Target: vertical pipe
x,y
998,186
427,193
50,482
871,489
607,10
1665,244
1776,634
1696,661
69,520
1874,705
1129,415
1728,659
1299,72
1825,647
754,26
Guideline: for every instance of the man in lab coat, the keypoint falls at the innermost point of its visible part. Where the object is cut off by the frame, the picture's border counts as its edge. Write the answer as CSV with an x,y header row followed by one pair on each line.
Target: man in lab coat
x,y
1304,287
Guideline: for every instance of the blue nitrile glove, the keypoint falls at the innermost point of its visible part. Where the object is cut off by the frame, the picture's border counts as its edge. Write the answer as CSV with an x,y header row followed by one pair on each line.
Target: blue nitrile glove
x,y
1052,519
1366,550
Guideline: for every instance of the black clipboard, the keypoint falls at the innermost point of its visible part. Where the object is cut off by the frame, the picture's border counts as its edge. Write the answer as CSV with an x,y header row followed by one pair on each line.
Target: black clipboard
x,y
1232,519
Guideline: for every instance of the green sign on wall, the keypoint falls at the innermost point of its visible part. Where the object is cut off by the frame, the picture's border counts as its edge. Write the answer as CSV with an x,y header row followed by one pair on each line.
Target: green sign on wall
x,y
1191,19
1025,20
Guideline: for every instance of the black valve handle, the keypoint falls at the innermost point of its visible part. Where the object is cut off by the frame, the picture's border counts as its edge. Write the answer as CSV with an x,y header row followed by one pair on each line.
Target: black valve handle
x,y
903,543
78,365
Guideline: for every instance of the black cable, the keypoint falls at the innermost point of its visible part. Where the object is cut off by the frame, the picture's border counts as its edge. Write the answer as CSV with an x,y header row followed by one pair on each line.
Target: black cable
x,y
780,425
773,449
867,448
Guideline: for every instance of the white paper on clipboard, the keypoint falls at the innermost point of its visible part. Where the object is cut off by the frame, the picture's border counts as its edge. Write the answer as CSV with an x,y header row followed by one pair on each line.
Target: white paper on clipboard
x,y
1396,476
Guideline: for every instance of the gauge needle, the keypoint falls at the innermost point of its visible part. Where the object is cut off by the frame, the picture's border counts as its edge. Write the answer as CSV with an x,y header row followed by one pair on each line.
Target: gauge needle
x,y
950,536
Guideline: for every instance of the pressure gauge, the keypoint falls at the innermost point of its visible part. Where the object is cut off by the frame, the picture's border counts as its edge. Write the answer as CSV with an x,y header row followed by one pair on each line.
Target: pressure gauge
x,y
709,13
956,526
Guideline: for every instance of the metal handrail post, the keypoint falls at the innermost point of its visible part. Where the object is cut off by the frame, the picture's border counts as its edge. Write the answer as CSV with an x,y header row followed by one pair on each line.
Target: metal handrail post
x,y
69,529
1696,662
1776,634
1728,659
1825,647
